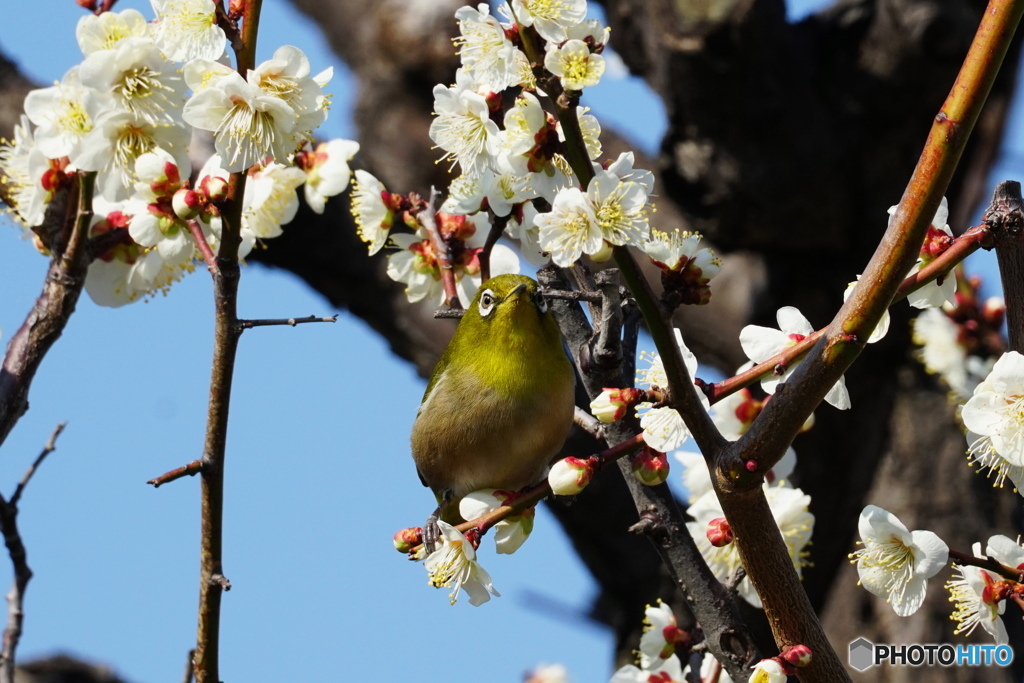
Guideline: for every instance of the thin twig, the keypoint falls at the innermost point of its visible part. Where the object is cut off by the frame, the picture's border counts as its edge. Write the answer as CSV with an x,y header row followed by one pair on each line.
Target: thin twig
x,y
572,295
498,224
248,324
50,447
988,562
588,423
19,560
428,219
44,324
191,469
189,667
449,312
204,247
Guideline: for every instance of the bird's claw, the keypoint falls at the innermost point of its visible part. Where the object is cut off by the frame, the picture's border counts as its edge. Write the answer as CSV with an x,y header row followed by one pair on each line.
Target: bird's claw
x,y
431,533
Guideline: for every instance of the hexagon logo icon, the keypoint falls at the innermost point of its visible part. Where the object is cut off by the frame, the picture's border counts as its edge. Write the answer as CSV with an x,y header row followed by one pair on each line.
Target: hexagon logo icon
x,y
862,654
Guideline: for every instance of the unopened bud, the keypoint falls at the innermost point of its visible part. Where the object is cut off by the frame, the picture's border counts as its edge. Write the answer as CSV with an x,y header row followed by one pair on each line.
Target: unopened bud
x,y
569,476
187,204
676,637
719,532
612,404
215,188
650,467
797,655
407,539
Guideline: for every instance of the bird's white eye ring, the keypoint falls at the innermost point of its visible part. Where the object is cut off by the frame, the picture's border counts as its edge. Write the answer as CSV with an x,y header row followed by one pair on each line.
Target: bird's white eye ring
x,y
542,303
486,303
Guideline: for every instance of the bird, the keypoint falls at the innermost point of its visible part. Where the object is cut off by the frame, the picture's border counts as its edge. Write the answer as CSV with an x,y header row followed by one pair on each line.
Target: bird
x,y
499,404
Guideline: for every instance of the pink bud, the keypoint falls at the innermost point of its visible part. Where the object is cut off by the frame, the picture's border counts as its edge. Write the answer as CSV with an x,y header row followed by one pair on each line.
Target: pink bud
x,y
719,532
797,655
406,539
650,467
215,188
612,404
569,476
187,203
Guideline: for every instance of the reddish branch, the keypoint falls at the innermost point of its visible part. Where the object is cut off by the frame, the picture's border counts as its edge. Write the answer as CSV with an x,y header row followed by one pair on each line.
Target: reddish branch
x,y
427,217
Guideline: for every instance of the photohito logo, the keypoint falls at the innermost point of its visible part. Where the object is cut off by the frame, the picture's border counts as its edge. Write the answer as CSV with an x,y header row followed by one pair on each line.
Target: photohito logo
x,y
864,654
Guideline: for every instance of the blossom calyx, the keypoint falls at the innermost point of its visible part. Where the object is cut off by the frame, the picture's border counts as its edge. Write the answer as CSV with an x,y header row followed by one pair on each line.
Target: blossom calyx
x,y
570,475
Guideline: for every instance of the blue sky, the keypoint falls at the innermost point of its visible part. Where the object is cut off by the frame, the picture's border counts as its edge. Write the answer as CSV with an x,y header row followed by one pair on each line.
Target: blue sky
x,y
318,472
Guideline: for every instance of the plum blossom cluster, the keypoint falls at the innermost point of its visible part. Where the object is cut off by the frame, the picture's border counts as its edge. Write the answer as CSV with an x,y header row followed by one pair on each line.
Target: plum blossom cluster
x,y
994,418
664,646
128,112
514,175
960,342
896,563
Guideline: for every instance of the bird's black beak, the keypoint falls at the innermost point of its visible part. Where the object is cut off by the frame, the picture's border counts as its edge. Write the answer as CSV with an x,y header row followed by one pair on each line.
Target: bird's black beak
x,y
515,292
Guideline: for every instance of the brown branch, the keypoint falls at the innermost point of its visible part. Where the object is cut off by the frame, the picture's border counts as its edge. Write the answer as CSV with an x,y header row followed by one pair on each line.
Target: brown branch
x,y
449,312
588,423
52,309
498,224
428,219
1005,214
248,324
19,560
188,470
988,562
189,668
204,247
977,237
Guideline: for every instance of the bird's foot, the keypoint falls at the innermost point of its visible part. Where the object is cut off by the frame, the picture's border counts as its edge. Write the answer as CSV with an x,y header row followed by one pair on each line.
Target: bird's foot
x,y
431,533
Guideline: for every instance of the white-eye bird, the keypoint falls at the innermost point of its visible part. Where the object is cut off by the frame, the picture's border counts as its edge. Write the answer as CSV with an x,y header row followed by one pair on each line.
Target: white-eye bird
x,y
499,404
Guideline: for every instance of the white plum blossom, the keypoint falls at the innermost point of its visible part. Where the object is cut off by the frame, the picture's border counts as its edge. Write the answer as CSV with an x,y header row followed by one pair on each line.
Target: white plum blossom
x,y
107,280
200,74
462,127
548,673
933,294
454,566
664,429
941,352
789,509
141,81
623,168
974,602
995,417
522,226
523,121
372,215
154,223
327,171
511,532
551,18
896,563
22,167
590,129
96,32
118,139
270,199
661,635
570,229
761,343
64,114
593,29
882,328
768,671
187,29
620,208
576,67
248,124
488,56
286,76
669,670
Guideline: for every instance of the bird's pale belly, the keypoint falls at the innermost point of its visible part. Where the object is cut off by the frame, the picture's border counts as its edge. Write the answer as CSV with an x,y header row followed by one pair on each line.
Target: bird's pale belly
x,y
508,447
